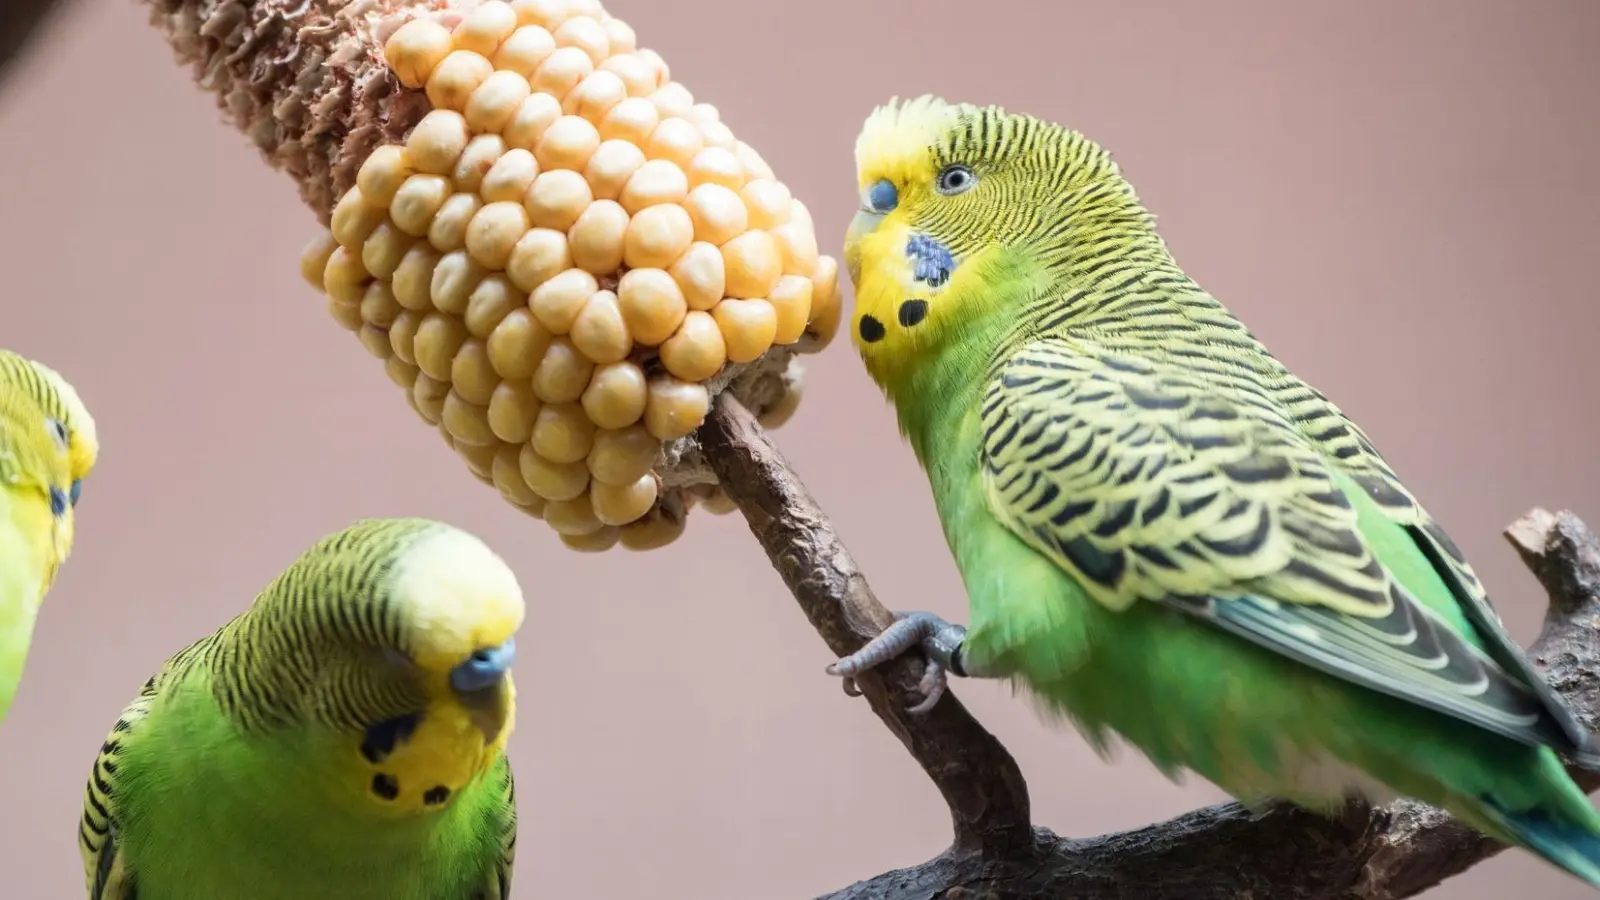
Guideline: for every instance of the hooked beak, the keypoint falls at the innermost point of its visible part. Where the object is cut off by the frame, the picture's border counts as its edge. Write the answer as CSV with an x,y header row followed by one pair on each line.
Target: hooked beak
x,y
864,223
480,683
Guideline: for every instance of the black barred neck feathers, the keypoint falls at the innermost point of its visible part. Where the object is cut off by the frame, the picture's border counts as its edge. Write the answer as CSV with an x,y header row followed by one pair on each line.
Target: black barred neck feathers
x,y
390,596
969,214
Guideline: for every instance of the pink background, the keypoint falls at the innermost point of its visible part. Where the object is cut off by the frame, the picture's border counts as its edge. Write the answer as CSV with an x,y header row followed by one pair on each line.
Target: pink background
x,y
1399,198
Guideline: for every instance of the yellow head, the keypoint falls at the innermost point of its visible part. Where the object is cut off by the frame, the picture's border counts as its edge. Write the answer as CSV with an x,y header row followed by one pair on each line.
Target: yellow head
x,y
965,211
398,635
50,438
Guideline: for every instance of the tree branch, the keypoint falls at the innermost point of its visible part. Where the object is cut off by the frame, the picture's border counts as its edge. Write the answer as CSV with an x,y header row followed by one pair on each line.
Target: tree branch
x,y
306,82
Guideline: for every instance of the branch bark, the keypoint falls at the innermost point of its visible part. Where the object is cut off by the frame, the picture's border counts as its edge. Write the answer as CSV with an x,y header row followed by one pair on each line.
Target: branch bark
x,y
306,82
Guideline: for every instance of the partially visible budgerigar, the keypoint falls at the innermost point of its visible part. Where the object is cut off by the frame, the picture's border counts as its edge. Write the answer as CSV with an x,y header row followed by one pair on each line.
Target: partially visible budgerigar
x,y
47,448
344,737
1163,532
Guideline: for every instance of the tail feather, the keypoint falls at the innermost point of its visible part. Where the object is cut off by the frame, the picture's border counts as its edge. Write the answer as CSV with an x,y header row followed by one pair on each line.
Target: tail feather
x,y
1573,846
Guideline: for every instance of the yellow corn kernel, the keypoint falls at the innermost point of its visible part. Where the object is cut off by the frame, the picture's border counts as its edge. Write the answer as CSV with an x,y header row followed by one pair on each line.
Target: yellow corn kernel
x,y
598,332
455,78
700,275
616,505
557,302
698,350
657,236
748,327
572,518
557,198
652,304
436,143
533,118
494,231
613,163
518,344
353,219
384,248
656,181
512,408
593,542
506,473
403,337
597,237
631,120
455,277
473,374
716,165
524,50
417,201
489,303
622,455
562,433
655,530
482,29
615,396
751,264
552,480
509,178
314,259
494,103
791,300
480,154
539,255
448,230
674,407
595,96
415,49
561,71
414,276
563,373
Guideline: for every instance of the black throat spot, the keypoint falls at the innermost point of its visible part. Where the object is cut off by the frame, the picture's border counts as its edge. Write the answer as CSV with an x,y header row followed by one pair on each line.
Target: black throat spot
x,y
381,739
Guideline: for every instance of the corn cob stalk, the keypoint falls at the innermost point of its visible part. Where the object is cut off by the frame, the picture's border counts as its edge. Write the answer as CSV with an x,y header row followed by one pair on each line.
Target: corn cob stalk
x,y
566,259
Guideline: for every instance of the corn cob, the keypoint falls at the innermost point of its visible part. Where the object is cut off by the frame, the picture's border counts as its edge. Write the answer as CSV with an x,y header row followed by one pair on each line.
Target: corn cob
x,y
566,259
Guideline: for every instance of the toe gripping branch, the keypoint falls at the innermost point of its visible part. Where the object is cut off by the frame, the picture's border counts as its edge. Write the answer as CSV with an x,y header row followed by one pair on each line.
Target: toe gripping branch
x,y
939,641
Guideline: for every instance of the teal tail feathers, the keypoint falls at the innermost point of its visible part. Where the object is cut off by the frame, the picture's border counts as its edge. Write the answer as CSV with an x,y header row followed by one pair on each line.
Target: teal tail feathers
x,y
1573,846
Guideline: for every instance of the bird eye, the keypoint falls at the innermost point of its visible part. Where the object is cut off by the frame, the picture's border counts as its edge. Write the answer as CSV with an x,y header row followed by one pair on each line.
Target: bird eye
x,y
881,196
955,179
58,431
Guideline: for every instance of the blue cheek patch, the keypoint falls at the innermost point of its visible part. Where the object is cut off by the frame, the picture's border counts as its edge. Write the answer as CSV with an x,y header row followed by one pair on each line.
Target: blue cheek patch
x,y
58,502
931,263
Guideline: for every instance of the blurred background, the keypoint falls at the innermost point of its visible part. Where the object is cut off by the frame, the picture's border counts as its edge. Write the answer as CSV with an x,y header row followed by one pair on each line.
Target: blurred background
x,y
1399,198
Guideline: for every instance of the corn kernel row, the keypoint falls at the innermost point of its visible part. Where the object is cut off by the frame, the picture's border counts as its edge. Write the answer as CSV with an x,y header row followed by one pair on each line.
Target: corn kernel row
x,y
564,258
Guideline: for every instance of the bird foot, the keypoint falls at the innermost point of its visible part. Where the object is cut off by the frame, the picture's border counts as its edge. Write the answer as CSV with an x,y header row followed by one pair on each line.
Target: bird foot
x,y
939,641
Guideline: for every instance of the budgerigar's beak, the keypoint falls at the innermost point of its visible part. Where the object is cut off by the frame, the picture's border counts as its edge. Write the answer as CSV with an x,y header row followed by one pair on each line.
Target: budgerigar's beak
x,y
480,683
863,224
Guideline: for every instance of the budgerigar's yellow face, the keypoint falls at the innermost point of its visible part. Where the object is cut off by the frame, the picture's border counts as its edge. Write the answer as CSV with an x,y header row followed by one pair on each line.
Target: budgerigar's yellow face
x,y
65,427
957,202
463,608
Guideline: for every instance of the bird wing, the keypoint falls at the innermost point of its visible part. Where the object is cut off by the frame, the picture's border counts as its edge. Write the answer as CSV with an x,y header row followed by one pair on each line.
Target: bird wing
x,y
1144,483
497,883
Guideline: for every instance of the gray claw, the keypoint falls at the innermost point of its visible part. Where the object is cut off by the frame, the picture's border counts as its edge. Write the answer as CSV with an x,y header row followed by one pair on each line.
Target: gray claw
x,y
939,641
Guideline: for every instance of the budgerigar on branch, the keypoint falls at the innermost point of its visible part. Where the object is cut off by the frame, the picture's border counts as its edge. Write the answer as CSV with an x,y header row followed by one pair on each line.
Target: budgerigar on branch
x,y
1163,533
343,737
47,448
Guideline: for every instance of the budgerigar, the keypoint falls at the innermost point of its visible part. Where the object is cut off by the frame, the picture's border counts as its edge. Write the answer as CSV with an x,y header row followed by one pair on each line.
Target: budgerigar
x,y
343,737
47,448
1163,533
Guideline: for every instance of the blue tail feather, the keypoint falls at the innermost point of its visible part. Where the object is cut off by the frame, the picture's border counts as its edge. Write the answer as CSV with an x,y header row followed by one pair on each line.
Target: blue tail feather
x,y
1570,845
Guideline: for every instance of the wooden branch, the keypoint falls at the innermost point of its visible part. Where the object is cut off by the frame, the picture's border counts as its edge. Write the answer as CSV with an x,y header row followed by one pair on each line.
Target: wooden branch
x,y
306,82
981,783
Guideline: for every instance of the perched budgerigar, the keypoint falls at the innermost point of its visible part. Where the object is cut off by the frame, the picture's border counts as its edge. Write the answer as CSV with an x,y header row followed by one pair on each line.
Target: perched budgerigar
x,y
1164,534
47,448
343,737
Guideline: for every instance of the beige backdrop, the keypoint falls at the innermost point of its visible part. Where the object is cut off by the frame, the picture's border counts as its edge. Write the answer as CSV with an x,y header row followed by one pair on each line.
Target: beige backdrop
x,y
1401,201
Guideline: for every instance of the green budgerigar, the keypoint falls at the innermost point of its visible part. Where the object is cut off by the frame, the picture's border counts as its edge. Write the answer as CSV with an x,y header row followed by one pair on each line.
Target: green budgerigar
x,y
47,448
1163,533
343,737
